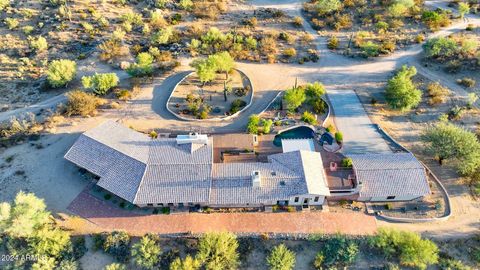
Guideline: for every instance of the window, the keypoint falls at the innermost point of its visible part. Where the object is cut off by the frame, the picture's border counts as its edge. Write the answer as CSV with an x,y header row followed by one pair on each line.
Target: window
x,y
159,204
274,173
149,204
296,199
390,197
316,199
305,201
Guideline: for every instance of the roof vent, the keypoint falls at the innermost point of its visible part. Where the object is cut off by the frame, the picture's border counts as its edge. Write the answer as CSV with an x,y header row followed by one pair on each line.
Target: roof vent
x,y
193,138
256,179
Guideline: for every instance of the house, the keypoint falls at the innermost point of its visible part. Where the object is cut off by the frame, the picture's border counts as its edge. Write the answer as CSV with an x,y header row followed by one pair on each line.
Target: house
x,y
180,171
389,177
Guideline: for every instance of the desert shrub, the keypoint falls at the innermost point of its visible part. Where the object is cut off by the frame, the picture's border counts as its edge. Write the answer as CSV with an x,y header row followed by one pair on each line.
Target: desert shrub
x,y
318,261
39,44
434,20
110,49
338,137
438,94
251,43
347,162
343,21
218,251
469,47
290,52
388,46
100,83
162,36
333,43
117,244
309,118
452,264
266,126
189,263
370,49
186,4
27,29
4,4
81,103
419,38
116,266
208,9
339,251
401,93
281,258
446,141
319,106
268,45
467,82
143,66
298,21
146,252
157,21
236,105
440,48
471,99
327,6
381,26
132,18
453,66
252,125
11,23
61,72
409,247
294,98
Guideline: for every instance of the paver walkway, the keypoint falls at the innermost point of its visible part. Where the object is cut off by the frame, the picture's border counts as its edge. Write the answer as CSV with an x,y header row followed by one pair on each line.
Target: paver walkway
x,y
359,133
111,218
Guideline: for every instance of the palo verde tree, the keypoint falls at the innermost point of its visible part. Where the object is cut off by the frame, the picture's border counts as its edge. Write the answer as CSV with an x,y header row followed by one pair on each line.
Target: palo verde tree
x,y
408,247
281,258
447,141
223,62
28,229
100,84
401,93
218,251
146,252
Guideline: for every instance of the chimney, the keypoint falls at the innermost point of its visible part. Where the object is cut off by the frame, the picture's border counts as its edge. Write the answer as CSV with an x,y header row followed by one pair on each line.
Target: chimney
x,y
256,179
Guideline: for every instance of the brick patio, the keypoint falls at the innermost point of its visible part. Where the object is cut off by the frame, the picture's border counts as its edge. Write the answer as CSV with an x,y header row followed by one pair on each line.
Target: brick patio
x,y
112,218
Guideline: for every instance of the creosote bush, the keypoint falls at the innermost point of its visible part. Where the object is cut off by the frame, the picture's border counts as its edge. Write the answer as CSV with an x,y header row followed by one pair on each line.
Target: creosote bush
x,y
82,103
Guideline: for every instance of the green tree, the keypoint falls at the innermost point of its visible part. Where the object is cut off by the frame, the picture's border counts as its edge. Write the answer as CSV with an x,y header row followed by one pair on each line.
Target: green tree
x,y
223,62
440,47
294,98
100,83
339,251
143,65
146,253
61,72
50,242
446,141
409,247
463,8
281,258
189,263
206,70
27,215
401,92
117,244
218,251
328,6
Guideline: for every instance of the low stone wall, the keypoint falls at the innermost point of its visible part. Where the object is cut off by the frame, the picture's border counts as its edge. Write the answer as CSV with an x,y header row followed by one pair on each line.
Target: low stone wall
x,y
448,206
216,118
